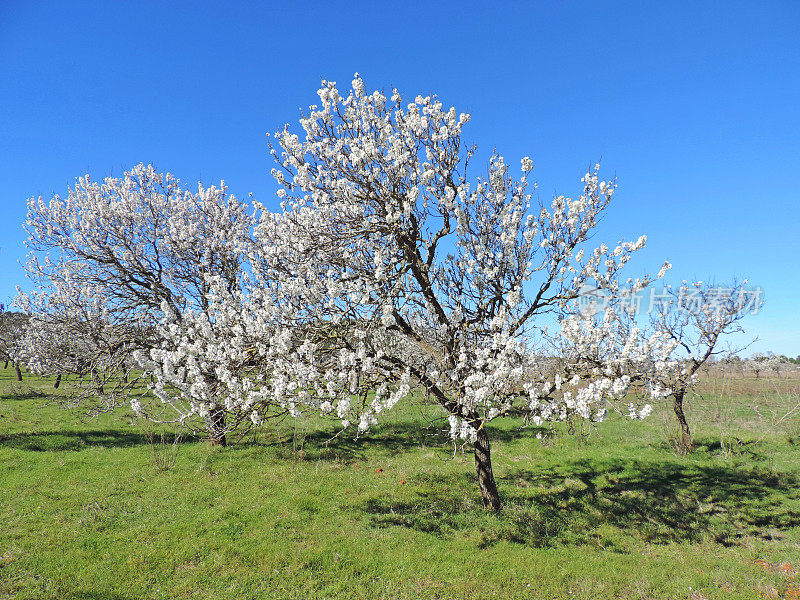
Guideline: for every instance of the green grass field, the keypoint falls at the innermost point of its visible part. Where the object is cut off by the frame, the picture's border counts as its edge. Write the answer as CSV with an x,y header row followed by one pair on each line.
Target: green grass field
x,y
89,511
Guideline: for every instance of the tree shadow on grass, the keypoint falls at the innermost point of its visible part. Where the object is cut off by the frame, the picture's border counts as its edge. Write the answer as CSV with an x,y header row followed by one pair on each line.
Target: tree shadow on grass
x,y
750,449
392,438
23,392
584,502
44,441
93,595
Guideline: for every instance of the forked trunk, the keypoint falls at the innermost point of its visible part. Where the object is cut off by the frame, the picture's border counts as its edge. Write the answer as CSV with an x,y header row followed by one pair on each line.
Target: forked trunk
x,y
686,434
483,466
57,382
19,373
217,427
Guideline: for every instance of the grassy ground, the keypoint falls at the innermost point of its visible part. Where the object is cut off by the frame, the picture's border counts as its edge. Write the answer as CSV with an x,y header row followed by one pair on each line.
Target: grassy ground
x,y
91,510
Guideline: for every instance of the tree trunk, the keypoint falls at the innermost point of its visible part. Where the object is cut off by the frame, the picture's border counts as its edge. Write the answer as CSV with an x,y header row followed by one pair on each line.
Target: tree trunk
x,y
483,466
6,365
217,427
57,382
19,373
686,434
99,388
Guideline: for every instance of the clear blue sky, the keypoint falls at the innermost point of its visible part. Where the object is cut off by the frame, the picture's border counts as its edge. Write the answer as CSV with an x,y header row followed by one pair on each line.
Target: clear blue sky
x,y
695,106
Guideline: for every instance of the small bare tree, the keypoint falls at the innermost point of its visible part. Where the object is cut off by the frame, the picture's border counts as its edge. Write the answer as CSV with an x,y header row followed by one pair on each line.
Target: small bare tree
x,y
697,317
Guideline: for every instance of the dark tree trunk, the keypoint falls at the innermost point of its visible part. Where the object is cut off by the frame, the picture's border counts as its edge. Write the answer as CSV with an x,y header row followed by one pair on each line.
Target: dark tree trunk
x,y
96,377
57,382
6,365
483,466
686,434
19,373
217,427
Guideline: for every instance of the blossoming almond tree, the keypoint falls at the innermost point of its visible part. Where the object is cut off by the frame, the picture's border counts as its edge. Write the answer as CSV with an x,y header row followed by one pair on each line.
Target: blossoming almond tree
x,y
766,362
144,243
415,273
